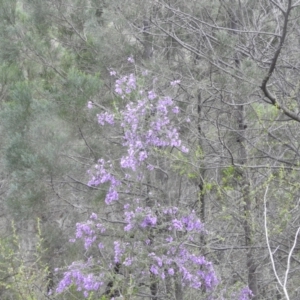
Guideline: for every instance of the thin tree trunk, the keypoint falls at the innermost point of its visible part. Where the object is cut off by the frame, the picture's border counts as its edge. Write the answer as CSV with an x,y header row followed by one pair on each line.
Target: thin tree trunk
x,y
201,182
246,197
147,54
178,286
245,185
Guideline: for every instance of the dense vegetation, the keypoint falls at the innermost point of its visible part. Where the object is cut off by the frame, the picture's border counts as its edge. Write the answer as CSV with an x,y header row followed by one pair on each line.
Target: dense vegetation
x,y
149,149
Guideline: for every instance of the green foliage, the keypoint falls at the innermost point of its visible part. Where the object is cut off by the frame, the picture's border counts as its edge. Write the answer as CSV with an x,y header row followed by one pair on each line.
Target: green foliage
x,y
229,176
186,165
77,88
181,165
21,278
262,111
18,107
10,73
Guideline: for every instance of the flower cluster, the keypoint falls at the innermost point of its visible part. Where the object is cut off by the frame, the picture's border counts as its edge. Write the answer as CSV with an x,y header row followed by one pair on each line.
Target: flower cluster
x,y
147,124
188,223
140,217
119,249
245,294
76,275
88,231
100,176
195,270
125,85
105,118
90,105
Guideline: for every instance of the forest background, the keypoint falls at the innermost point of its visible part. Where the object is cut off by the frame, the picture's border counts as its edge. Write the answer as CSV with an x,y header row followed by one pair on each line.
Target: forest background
x,y
219,184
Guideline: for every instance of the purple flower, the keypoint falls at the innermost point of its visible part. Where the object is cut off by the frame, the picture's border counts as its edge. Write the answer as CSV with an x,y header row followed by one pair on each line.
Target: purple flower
x,y
149,221
130,59
128,227
211,280
83,228
142,155
64,283
101,227
159,261
93,216
184,149
105,118
131,83
129,161
88,241
90,105
169,239
151,95
111,196
139,209
177,224
175,110
128,261
102,176
118,251
129,215
171,271
84,282
245,294
154,270
171,210
192,223
118,90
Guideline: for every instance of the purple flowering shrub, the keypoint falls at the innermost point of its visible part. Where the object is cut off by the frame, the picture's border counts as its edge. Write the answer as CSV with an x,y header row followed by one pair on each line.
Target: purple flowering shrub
x,y
245,294
149,241
142,255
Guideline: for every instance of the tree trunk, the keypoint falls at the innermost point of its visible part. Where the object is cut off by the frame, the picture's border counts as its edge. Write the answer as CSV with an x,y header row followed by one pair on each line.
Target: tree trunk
x,y
245,185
